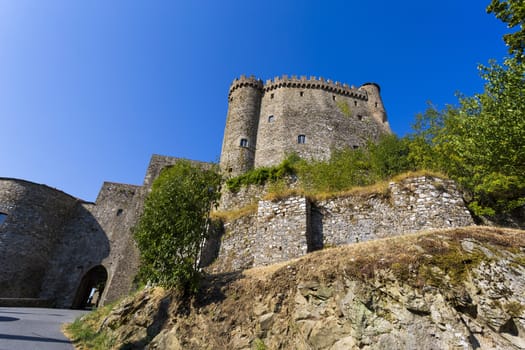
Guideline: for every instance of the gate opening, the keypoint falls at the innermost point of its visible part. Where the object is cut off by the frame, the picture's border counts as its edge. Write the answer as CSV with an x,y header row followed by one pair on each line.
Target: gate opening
x,y
90,289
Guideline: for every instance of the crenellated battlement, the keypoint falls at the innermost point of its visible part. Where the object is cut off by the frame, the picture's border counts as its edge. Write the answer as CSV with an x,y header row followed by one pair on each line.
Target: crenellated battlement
x,y
314,82
301,82
243,81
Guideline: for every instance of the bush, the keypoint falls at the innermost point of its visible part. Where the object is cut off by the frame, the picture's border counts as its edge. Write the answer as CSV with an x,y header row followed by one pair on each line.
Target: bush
x,y
174,225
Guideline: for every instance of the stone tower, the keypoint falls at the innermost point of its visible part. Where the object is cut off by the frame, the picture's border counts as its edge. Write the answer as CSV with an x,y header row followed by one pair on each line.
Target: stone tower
x,y
240,133
375,102
310,117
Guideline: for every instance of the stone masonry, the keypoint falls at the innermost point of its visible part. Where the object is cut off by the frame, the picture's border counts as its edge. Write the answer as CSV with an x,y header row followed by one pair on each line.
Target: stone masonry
x,y
291,227
310,117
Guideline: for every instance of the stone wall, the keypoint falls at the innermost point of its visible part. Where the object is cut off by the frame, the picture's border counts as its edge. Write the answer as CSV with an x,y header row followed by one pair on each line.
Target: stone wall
x,y
49,240
245,196
327,117
97,234
30,234
411,205
291,227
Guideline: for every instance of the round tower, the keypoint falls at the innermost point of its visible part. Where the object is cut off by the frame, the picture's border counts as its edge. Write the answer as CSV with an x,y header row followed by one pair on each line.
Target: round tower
x,y
240,133
375,104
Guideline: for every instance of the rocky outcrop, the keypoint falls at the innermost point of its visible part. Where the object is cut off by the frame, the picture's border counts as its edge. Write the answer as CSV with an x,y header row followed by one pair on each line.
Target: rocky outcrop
x,y
443,289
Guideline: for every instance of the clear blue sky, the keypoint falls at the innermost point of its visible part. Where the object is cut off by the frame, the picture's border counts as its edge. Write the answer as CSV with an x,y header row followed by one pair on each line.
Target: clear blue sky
x,y
90,89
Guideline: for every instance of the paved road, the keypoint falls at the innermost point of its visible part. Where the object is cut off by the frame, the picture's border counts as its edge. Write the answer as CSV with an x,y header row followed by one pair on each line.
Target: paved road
x,y
34,328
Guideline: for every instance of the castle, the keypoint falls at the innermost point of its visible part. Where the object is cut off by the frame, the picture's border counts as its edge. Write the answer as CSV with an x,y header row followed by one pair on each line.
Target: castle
x,y
58,250
310,117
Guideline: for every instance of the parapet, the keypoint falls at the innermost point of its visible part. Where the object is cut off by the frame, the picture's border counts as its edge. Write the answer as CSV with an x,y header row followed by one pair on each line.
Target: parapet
x,y
243,81
299,82
315,83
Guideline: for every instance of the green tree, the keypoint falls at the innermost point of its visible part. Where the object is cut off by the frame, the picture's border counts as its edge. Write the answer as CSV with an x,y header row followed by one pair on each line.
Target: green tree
x,y
174,225
389,157
512,12
481,142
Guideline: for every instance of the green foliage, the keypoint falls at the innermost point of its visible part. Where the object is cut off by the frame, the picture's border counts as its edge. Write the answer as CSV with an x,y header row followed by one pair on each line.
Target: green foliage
x,y
348,168
262,175
345,169
511,12
481,142
174,225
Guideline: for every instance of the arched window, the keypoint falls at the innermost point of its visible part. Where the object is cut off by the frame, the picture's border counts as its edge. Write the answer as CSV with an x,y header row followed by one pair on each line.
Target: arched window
x,y
271,118
244,142
301,139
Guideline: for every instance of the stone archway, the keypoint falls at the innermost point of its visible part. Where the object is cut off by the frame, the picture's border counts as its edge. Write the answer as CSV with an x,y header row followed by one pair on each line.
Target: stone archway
x,y
91,288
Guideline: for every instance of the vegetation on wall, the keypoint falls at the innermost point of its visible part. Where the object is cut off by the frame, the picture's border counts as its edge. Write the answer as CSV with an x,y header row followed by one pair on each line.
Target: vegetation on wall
x,y
345,169
260,176
173,227
348,168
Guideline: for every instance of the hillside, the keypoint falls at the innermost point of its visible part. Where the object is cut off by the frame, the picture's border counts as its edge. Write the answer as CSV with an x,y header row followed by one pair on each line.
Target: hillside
x,y
443,289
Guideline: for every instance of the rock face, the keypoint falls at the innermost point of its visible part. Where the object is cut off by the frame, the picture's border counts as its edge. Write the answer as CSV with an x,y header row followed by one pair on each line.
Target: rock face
x,y
447,289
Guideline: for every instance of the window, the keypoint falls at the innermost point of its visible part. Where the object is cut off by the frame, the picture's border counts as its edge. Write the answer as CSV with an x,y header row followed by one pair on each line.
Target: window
x,y
355,103
376,104
3,216
244,142
333,97
271,96
301,93
270,119
355,146
119,212
360,117
301,139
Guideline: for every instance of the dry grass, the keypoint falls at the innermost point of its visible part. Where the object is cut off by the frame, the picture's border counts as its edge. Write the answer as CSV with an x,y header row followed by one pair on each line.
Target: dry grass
x,y
379,188
402,255
229,300
230,215
418,173
283,194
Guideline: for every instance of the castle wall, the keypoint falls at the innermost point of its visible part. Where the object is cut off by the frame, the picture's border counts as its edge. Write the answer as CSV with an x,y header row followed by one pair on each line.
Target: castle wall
x,y
123,262
310,117
50,240
84,244
291,227
29,235
96,234
329,116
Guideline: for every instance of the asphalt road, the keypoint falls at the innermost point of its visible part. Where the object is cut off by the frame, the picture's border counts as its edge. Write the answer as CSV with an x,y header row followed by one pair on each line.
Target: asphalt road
x,y
35,328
